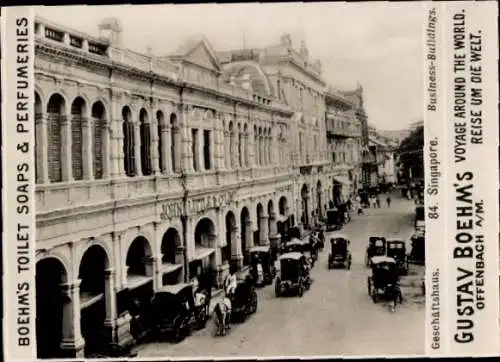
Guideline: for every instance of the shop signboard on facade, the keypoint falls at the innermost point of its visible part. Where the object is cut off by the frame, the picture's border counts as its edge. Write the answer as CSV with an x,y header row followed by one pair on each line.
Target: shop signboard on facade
x,y
213,201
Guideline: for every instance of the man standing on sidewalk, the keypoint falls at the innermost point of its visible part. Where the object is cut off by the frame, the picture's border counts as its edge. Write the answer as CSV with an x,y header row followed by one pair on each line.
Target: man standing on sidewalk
x,y
388,201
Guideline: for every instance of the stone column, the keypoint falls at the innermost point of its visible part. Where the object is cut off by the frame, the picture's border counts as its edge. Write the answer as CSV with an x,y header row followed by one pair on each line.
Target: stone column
x,y
110,300
241,151
249,235
176,152
213,146
41,144
227,150
233,149
155,158
218,148
166,159
263,151
137,149
236,248
87,148
106,149
274,236
151,266
66,159
263,230
187,163
200,144
268,149
246,147
72,341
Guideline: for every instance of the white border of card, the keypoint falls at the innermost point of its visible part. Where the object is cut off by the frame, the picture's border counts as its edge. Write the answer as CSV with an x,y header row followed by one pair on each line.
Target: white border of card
x,y
461,154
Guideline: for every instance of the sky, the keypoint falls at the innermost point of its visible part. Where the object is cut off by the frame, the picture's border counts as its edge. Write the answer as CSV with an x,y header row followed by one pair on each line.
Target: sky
x,y
378,45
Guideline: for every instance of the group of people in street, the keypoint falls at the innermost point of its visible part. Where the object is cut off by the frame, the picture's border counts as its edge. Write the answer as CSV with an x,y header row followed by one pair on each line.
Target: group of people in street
x,y
372,201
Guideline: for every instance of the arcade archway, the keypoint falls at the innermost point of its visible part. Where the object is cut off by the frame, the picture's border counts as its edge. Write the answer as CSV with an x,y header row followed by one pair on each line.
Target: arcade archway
x,y
304,195
319,201
283,221
92,273
139,266
50,275
172,257
246,234
204,254
261,236
228,251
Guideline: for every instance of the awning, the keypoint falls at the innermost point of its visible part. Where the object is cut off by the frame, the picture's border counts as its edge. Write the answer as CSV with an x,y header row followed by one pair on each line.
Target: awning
x,y
88,299
169,267
342,179
135,281
202,253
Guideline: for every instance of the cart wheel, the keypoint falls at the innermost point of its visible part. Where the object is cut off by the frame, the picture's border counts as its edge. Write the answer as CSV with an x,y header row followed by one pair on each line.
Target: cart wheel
x,y
374,296
277,288
369,282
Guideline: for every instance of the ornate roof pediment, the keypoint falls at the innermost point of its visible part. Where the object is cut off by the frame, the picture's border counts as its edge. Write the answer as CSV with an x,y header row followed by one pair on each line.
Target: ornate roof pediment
x,y
197,50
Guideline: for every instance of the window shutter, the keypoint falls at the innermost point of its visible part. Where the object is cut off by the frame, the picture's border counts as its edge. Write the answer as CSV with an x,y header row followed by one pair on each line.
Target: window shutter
x,y
76,147
97,151
54,147
131,146
160,149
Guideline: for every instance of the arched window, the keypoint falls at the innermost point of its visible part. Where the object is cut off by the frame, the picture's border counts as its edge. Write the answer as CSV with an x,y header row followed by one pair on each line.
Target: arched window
x,y
99,123
77,119
161,147
145,132
56,109
174,144
128,142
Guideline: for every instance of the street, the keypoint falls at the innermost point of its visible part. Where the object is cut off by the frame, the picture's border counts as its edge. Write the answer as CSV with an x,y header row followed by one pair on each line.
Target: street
x,y
335,317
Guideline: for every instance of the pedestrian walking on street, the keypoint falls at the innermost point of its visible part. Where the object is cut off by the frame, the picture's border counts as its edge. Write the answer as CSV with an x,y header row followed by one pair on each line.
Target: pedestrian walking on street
x,y
388,201
377,200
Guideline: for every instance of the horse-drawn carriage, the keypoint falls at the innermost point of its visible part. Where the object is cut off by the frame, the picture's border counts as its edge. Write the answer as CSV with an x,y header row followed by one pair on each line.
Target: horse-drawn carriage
x,y
417,253
383,283
301,246
376,247
243,301
293,275
262,255
176,313
339,254
396,249
333,219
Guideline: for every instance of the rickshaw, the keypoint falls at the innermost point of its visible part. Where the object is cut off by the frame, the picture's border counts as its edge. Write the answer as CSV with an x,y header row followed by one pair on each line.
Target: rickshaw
x,y
333,220
340,253
321,238
376,247
396,248
383,283
300,246
265,256
417,253
294,274
175,313
244,300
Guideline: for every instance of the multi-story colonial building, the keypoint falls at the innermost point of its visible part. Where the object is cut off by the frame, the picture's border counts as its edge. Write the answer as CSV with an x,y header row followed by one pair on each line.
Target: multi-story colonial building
x,y
297,82
149,168
343,131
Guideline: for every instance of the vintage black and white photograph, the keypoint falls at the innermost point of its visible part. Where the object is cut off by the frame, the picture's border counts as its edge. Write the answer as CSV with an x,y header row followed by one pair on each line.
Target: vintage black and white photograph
x,y
229,180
